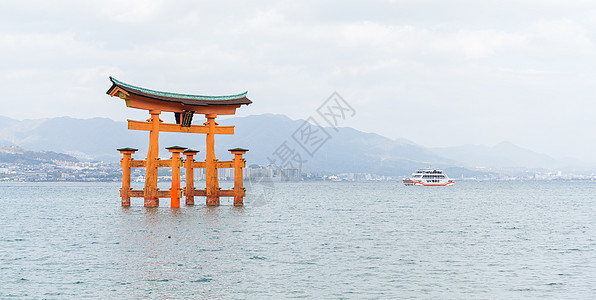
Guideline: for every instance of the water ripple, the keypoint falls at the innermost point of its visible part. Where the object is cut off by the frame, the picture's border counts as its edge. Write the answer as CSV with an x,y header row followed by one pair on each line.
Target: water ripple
x,y
312,240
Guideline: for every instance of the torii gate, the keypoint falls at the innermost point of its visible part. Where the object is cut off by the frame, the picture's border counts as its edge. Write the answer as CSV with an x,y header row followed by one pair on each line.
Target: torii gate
x,y
184,107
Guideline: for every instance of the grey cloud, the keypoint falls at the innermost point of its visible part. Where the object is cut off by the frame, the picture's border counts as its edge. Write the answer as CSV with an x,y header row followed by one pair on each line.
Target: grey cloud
x,y
440,73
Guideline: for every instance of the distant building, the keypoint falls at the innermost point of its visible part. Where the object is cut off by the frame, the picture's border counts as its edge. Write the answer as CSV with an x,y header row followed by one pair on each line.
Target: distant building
x,y
256,171
289,174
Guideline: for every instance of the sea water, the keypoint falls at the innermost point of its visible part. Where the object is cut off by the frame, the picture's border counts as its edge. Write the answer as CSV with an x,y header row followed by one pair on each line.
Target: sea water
x,y
475,240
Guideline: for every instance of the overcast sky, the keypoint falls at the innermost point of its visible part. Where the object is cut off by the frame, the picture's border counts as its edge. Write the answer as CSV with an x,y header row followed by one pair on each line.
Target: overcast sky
x,y
439,73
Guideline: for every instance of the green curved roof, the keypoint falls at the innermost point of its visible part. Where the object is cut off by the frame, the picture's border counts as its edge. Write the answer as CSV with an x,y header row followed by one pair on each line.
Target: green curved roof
x,y
176,97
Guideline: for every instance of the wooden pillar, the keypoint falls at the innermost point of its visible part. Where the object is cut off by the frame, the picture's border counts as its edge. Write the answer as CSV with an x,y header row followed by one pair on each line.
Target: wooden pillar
x,y
190,176
239,163
212,188
150,192
176,163
125,164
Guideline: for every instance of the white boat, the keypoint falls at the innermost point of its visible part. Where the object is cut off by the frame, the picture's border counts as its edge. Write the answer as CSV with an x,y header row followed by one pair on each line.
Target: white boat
x,y
428,177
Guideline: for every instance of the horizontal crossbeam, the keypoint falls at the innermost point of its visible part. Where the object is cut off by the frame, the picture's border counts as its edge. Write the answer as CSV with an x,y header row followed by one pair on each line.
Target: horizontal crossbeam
x,y
199,164
224,164
199,193
138,163
141,193
226,193
167,127
166,163
220,193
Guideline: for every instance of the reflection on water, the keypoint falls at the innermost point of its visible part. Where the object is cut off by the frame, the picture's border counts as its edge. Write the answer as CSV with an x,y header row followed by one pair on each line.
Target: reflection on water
x,y
178,251
314,240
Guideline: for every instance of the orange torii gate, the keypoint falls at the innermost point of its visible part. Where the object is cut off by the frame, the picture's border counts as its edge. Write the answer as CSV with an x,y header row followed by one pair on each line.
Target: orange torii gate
x,y
184,107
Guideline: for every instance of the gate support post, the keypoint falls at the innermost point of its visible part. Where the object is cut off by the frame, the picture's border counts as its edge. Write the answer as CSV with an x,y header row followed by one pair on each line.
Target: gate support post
x,y
190,176
125,164
212,184
176,162
150,192
239,163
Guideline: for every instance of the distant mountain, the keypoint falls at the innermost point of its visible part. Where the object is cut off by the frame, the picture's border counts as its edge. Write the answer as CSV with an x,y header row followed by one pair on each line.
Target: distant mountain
x,y
504,155
347,149
84,138
13,154
5,122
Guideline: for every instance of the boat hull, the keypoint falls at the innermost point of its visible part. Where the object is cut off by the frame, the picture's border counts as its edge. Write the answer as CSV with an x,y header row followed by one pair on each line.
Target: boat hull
x,y
421,183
